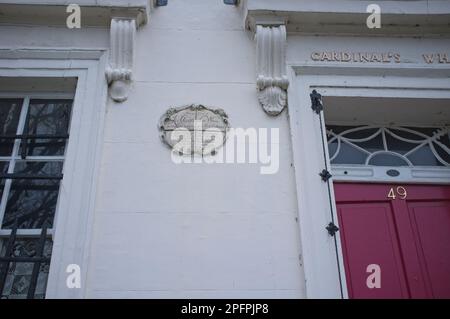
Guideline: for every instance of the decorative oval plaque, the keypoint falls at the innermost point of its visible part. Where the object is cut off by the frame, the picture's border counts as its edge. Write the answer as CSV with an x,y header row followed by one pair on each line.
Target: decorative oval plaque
x,y
194,129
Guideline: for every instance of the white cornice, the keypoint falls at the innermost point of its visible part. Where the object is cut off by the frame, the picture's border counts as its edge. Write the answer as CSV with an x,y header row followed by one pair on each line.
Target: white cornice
x,y
351,6
96,13
409,18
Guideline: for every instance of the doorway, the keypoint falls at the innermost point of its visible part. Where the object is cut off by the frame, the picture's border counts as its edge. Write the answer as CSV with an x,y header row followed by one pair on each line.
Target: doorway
x,y
390,159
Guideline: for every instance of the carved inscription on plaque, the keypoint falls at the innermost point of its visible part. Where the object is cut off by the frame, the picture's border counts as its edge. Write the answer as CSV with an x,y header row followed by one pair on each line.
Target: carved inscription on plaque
x,y
194,129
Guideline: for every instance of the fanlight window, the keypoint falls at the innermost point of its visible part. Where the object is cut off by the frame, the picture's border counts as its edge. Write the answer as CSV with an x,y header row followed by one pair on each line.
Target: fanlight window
x,y
389,146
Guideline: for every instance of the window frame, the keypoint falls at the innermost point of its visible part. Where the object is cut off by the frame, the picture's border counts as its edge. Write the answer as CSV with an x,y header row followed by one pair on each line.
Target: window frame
x,y
74,216
26,98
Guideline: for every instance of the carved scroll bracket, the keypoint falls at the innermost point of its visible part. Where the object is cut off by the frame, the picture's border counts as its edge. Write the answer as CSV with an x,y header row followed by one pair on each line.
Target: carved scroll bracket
x,y
272,81
120,68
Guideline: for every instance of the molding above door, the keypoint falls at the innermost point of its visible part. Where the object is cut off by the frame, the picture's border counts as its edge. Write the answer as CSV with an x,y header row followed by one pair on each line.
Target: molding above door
x,y
427,18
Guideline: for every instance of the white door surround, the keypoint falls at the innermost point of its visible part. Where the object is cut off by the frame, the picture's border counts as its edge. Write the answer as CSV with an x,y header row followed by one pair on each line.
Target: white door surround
x,y
321,253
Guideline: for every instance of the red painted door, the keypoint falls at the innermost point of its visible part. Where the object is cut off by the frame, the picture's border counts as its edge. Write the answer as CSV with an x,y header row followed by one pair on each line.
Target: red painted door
x,y
403,229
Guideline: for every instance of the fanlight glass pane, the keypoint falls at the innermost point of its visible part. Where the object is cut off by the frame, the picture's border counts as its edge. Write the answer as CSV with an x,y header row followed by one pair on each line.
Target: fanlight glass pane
x,y
352,131
372,145
332,148
406,134
387,159
441,151
349,155
363,133
400,147
424,157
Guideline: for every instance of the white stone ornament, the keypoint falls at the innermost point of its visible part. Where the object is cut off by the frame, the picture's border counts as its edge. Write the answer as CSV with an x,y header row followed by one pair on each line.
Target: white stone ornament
x,y
120,69
272,81
194,129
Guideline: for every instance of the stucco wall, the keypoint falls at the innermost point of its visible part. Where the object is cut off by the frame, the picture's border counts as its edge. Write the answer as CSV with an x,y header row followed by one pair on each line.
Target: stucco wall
x,y
192,230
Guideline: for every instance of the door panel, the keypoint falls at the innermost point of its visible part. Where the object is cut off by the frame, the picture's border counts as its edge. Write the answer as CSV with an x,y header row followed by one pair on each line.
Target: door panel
x,y
431,223
409,238
369,237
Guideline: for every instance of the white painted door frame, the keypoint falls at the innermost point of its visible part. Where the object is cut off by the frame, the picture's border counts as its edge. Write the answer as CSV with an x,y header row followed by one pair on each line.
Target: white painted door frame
x,y
321,253
76,203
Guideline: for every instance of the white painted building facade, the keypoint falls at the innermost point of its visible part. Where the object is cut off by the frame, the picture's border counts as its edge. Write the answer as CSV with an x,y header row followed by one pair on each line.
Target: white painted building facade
x,y
139,225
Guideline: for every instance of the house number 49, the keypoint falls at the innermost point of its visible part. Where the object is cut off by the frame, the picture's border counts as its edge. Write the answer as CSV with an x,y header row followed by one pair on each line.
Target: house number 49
x,y
397,191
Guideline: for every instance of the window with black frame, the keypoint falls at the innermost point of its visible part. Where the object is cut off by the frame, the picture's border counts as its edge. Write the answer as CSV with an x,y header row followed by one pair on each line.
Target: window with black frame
x,y
33,141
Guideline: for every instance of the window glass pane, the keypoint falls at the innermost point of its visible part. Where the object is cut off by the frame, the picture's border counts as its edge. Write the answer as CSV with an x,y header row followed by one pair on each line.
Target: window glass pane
x,y
47,117
399,146
409,135
33,201
34,185
338,129
9,119
361,134
442,154
385,159
18,279
372,145
332,147
445,139
3,170
424,156
40,168
349,155
429,131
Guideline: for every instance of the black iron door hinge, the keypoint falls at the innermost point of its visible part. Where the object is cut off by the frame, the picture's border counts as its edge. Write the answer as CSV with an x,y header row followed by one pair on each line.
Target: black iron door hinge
x,y
326,175
332,229
316,102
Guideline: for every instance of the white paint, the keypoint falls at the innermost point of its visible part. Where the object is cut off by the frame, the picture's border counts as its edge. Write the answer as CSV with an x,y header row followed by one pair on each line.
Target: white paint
x,y
193,230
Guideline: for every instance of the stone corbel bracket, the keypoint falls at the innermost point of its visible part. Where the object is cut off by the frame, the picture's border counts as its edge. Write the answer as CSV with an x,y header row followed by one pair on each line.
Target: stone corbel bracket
x,y
272,81
120,68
